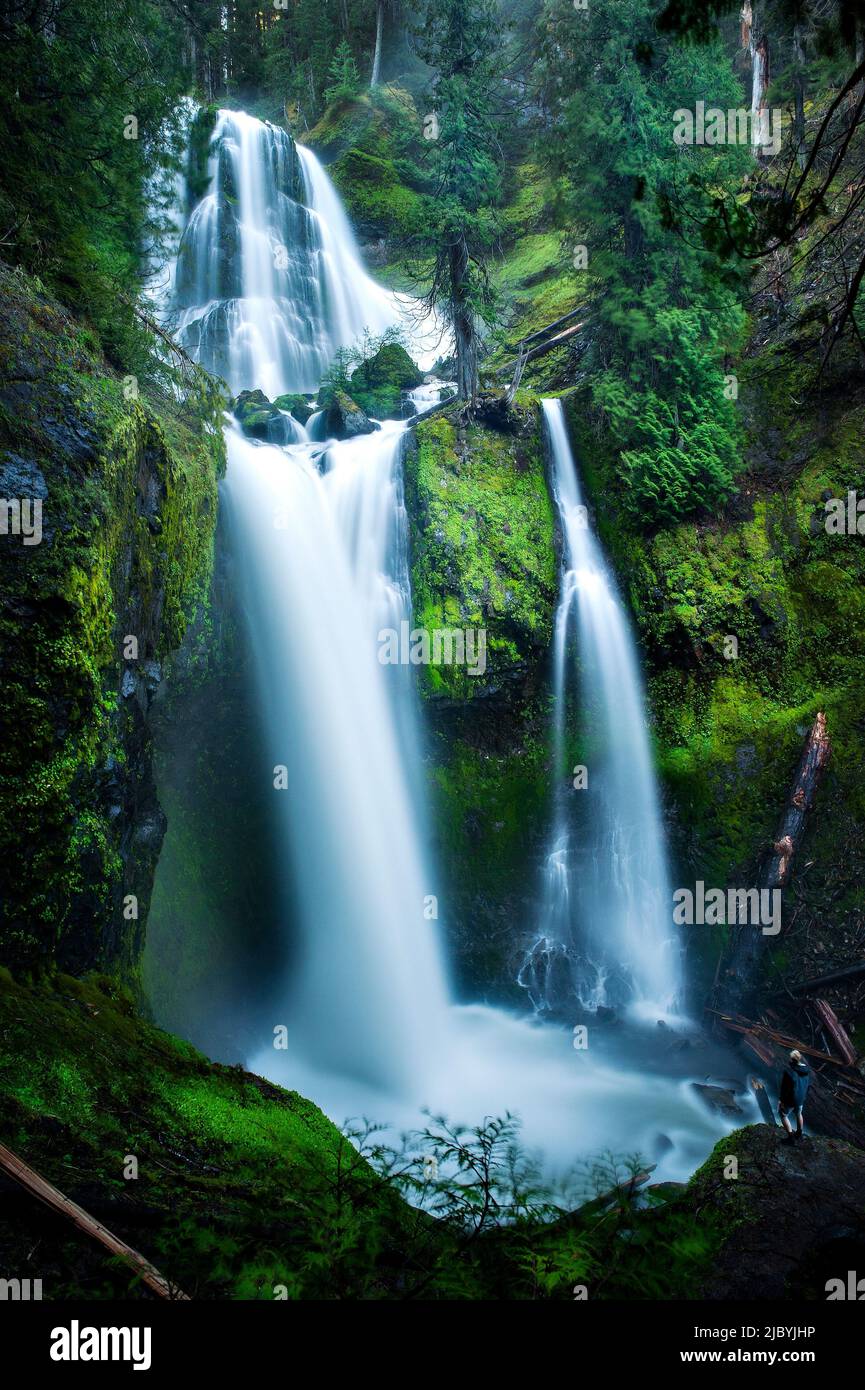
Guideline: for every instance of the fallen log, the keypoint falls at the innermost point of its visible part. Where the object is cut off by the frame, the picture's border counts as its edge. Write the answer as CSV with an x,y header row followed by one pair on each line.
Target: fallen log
x,y
835,1029
736,977
39,1187
836,977
544,347
760,1031
542,332
761,1050
718,1098
517,377
814,759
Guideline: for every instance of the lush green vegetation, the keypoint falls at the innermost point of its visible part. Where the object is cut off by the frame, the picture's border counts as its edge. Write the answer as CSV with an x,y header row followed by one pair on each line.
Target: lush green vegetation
x,y
512,162
483,544
130,481
294,1209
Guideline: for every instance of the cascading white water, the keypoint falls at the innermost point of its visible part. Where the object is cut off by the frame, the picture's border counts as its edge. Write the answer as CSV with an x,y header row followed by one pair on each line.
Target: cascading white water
x,y
322,560
319,538
606,922
269,279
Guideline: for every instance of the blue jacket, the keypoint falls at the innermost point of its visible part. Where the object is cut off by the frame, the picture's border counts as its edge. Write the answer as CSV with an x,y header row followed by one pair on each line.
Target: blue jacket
x,y
795,1080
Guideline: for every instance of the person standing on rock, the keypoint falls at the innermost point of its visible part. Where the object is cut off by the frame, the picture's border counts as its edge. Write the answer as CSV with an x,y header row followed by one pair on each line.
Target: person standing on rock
x,y
795,1080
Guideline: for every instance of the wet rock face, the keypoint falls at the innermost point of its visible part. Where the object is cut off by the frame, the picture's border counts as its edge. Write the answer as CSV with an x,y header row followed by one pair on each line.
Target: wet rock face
x,y
795,1214
89,614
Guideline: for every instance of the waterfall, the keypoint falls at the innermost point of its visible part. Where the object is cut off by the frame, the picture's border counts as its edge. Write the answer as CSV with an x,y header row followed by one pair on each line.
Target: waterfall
x,y
269,281
606,914
269,284
317,532
324,573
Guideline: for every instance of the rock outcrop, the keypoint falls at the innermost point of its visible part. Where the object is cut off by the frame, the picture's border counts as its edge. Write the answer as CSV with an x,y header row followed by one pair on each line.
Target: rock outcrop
x,y
344,419
794,1216
89,616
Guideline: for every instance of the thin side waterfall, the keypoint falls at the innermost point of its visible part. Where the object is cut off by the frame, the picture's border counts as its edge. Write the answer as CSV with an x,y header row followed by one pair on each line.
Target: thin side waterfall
x,y
606,914
318,538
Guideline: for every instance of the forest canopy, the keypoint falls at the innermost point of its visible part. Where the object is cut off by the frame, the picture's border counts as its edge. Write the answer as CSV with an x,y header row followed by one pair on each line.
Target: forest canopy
x,y
664,237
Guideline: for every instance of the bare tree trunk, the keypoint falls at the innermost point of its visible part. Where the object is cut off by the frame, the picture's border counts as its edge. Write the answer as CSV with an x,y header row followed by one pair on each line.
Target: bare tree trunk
x,y
758,54
34,1183
379,31
463,322
759,89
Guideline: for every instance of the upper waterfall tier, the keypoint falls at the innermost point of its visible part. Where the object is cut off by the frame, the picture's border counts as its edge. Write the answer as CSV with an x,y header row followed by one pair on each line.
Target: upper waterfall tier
x,y
269,281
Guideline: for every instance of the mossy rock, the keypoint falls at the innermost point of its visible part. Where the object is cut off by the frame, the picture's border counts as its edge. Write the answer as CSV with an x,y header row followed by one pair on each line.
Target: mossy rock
x,y
296,405
390,366
379,384
89,619
483,546
343,417
374,149
788,1214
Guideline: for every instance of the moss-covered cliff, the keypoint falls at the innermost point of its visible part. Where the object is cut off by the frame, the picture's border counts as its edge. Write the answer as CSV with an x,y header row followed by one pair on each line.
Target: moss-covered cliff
x,y
373,147
730,715
231,1186
89,618
483,556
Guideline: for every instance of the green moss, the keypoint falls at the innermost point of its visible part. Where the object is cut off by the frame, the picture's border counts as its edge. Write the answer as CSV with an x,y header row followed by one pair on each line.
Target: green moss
x,y
234,1174
730,720
378,202
482,547
487,799
128,521
373,146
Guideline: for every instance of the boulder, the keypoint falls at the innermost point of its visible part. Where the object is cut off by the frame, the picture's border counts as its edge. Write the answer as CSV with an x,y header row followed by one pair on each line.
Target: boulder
x,y
789,1222
260,418
390,366
344,419
380,383
295,405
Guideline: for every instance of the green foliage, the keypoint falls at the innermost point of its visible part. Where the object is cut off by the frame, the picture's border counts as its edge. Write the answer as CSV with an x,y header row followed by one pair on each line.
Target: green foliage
x,y
88,125
343,75
665,313
681,432
337,377
462,42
